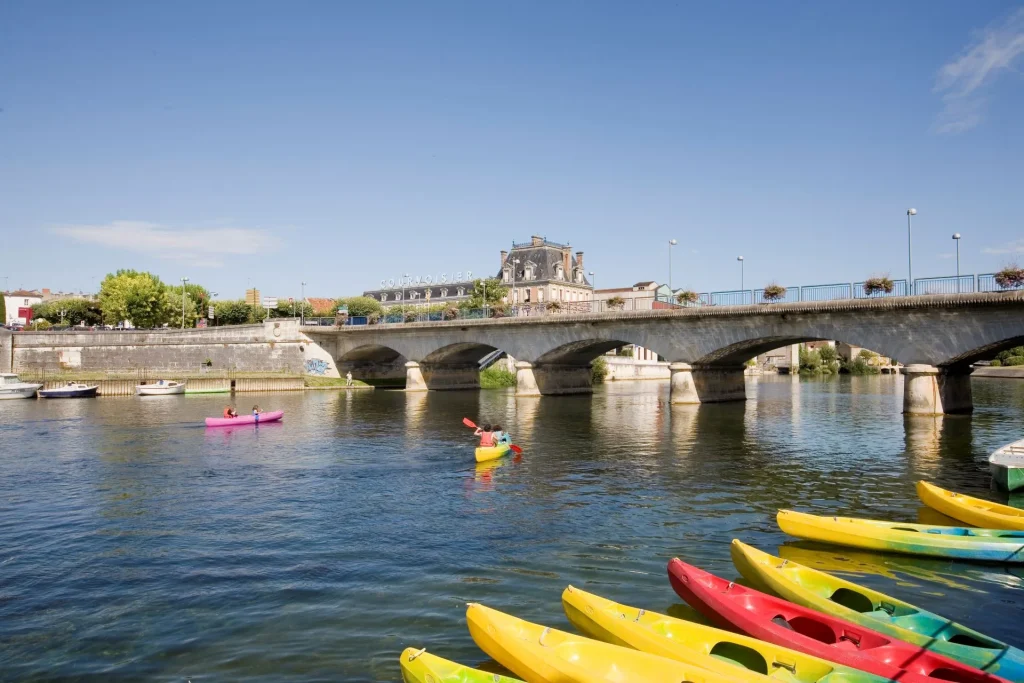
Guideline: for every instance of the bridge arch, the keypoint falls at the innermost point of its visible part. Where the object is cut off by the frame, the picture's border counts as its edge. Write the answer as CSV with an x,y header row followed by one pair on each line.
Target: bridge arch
x,y
583,351
985,352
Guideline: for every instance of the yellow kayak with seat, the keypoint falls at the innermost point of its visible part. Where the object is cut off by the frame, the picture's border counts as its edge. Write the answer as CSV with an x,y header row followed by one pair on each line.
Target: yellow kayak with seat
x,y
419,666
544,655
974,511
707,647
485,453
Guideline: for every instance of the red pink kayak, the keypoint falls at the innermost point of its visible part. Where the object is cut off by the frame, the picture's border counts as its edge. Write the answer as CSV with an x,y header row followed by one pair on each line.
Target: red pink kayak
x,y
270,416
783,623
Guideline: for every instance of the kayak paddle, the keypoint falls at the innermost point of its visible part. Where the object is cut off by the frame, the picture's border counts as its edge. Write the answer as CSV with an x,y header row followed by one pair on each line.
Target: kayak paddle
x,y
469,423
515,449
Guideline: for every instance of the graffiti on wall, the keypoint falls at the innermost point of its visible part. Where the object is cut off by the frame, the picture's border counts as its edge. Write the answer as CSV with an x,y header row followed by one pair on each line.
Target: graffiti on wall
x,y
315,366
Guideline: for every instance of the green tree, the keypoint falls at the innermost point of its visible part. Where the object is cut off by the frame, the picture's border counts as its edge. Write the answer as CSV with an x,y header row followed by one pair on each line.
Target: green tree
x,y
237,312
136,296
495,293
827,354
290,309
3,309
76,311
359,306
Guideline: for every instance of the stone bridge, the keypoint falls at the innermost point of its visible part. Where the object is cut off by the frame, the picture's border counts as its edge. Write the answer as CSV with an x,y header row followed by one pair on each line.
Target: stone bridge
x,y
936,337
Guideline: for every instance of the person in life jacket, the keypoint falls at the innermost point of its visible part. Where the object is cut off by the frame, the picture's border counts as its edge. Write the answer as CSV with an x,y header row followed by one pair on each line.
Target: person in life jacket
x,y
485,434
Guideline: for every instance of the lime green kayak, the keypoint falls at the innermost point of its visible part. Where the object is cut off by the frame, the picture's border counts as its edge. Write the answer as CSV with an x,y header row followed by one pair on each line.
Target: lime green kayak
x,y
419,666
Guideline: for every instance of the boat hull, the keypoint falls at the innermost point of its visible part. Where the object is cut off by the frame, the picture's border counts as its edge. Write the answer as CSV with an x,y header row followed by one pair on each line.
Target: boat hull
x,y
269,416
422,667
20,392
775,620
960,543
871,609
704,646
1007,477
87,392
968,509
485,453
157,390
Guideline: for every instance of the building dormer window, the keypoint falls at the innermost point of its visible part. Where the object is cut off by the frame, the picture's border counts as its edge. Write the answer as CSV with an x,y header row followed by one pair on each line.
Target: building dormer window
x,y
398,296
559,272
579,276
506,275
461,291
383,297
530,271
444,292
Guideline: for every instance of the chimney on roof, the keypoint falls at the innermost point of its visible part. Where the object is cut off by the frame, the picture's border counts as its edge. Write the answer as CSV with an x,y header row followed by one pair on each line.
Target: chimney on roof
x,y
504,257
579,259
46,292
537,241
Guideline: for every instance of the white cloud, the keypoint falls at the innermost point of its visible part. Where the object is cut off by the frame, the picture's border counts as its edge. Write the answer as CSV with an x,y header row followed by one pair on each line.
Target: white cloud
x,y
1016,247
198,246
963,80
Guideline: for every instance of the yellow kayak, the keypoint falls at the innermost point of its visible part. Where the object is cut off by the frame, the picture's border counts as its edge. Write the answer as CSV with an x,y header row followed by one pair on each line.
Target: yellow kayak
x,y
485,453
706,647
971,510
544,655
419,666
952,542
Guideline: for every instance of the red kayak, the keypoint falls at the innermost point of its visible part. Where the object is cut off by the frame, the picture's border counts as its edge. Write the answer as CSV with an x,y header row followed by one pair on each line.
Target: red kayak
x,y
270,416
780,622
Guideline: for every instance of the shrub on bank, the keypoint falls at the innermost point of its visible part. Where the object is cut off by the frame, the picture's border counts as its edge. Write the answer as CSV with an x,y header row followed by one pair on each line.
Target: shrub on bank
x,y
878,285
497,377
598,370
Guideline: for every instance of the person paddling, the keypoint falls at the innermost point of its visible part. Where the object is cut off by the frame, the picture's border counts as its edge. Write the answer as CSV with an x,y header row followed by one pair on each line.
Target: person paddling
x,y
501,437
486,435
229,412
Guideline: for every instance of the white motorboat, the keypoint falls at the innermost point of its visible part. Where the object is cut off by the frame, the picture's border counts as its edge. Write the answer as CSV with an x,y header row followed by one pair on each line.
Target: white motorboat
x,y
12,387
162,387
1007,465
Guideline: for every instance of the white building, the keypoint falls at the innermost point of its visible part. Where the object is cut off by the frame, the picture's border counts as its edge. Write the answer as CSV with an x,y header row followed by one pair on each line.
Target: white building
x,y
19,305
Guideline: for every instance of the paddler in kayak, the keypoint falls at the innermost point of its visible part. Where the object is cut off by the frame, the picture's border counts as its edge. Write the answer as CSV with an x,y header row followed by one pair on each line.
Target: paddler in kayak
x,y
486,435
501,437
229,412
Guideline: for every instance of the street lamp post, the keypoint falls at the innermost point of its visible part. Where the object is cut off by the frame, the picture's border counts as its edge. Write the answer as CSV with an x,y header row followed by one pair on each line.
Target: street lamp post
x,y
910,253
404,278
740,259
183,281
515,292
671,243
593,287
302,306
212,295
956,238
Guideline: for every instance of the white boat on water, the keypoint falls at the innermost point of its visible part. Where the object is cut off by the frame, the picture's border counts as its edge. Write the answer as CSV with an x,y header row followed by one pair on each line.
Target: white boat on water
x,y
1007,465
12,387
163,387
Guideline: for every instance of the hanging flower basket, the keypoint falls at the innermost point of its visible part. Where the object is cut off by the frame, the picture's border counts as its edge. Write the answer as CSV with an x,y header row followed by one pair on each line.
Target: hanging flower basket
x,y
687,297
616,303
1010,277
878,285
554,306
773,293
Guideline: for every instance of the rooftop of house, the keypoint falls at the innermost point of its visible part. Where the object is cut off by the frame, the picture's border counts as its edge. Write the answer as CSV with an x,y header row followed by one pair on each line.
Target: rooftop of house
x,y
24,293
542,261
321,305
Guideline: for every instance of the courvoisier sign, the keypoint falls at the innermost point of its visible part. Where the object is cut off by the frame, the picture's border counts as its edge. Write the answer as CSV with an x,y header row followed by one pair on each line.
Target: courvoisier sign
x,y
419,280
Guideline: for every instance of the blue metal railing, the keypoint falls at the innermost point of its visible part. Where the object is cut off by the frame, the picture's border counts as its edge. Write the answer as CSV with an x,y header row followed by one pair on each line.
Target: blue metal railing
x,y
963,284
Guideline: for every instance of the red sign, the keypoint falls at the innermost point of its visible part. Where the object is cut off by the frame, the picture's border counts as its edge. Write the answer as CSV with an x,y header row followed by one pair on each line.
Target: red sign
x,y
25,313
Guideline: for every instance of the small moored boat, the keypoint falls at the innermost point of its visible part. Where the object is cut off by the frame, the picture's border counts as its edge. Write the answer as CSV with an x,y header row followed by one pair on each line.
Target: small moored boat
x,y
953,542
968,509
1007,465
245,419
12,387
71,390
163,387
419,666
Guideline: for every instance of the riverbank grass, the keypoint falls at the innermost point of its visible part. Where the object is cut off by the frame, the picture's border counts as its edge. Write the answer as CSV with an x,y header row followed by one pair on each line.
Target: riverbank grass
x,y
495,377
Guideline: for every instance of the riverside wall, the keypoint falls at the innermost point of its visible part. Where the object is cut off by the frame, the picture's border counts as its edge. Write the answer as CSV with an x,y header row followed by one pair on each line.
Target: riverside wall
x,y
273,347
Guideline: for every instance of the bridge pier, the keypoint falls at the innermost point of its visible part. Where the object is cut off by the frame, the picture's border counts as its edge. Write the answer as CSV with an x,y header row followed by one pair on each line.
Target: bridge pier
x,y
928,390
552,380
451,376
414,377
703,384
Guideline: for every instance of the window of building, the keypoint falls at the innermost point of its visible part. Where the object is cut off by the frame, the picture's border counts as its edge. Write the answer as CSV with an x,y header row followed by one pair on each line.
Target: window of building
x,y
461,291
383,297
559,272
398,296
540,295
444,292
530,271
506,275
526,297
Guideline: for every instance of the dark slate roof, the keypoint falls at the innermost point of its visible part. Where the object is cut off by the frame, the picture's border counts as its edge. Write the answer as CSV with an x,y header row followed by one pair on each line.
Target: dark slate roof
x,y
545,258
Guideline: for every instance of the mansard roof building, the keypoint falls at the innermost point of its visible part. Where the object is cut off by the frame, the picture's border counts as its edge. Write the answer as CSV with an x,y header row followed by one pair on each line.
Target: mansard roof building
x,y
539,272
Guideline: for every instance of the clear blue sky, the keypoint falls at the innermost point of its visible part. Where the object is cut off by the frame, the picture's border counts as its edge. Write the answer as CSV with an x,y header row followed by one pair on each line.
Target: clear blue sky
x,y
342,142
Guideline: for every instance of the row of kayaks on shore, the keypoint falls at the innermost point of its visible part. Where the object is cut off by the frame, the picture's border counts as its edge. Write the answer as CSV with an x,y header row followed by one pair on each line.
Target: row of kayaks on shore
x,y
808,627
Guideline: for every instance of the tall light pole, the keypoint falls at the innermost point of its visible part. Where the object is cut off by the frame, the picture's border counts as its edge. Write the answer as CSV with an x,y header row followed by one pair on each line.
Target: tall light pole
x,y
302,306
910,253
740,259
515,292
404,278
956,238
593,287
183,281
212,295
671,243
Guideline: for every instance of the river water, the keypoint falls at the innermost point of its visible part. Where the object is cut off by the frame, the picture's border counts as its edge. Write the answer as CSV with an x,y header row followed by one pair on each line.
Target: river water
x,y
137,545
